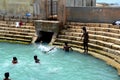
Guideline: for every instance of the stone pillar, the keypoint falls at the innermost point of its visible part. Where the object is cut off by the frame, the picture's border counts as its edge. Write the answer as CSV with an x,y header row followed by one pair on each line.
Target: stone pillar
x,y
78,3
84,3
42,9
62,11
94,3
36,7
69,3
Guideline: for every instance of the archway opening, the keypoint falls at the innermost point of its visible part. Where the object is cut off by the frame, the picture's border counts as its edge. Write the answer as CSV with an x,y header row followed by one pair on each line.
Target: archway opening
x,y
44,37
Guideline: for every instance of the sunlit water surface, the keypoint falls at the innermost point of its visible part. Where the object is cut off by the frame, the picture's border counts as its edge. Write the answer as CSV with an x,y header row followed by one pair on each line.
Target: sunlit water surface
x,y
55,65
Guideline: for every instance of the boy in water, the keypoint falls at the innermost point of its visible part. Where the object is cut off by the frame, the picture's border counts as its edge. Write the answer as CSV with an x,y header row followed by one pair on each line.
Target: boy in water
x,y
85,40
14,61
66,47
36,59
6,76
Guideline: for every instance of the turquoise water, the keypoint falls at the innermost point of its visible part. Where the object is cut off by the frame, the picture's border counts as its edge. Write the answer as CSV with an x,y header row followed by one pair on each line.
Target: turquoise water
x,y
56,65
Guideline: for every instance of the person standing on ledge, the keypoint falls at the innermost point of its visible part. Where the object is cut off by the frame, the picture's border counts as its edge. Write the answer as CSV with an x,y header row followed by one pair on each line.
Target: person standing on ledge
x,y
85,37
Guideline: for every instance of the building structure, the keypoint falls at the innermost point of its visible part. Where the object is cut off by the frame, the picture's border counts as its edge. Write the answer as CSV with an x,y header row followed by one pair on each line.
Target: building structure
x,y
41,8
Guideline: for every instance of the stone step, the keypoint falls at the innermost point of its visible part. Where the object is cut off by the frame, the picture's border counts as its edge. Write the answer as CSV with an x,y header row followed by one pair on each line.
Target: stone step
x,y
17,29
65,32
16,35
110,55
16,32
14,26
93,25
92,45
111,30
13,22
14,39
92,36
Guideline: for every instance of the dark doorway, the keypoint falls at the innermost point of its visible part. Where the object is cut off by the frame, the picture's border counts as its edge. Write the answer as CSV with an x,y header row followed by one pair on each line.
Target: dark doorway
x,y
45,37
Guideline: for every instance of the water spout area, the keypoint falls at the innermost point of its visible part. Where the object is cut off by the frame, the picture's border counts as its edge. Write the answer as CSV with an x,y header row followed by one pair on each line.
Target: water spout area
x,y
54,65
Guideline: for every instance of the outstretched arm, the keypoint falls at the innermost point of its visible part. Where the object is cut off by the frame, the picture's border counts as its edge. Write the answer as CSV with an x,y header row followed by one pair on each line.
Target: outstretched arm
x,y
49,50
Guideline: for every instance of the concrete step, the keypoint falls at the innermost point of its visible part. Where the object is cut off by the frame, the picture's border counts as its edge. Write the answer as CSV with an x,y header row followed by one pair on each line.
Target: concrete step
x,y
93,25
65,32
16,32
17,29
16,35
111,30
92,45
14,26
96,37
14,39
97,51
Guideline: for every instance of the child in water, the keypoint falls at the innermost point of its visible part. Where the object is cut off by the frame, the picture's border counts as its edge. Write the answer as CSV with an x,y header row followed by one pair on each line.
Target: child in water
x,y
66,47
14,61
6,76
36,59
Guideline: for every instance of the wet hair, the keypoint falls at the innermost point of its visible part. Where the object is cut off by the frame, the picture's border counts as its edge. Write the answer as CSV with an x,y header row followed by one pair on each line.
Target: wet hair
x,y
14,58
6,74
35,57
84,28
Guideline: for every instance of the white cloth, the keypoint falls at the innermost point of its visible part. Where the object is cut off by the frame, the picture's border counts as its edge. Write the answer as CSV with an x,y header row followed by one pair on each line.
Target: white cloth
x,y
17,24
117,22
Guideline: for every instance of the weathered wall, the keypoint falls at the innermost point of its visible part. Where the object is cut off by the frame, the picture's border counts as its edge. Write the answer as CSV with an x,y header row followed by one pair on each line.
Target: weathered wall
x,y
61,11
93,14
16,7
48,26
80,3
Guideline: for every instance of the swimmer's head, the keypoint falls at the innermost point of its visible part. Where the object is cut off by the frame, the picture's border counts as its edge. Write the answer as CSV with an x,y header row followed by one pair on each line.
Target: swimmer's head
x,y
84,28
6,74
14,58
35,57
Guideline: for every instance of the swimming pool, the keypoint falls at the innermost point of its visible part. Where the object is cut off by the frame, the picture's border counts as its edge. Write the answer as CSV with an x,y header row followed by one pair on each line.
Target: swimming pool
x,y
56,65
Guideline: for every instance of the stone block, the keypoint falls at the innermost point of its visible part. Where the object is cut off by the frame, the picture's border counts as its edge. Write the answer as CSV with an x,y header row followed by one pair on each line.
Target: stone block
x,y
104,25
116,47
100,43
114,31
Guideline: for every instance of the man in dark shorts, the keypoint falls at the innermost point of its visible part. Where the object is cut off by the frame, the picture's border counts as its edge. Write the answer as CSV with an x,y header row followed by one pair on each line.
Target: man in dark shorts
x,y
85,40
